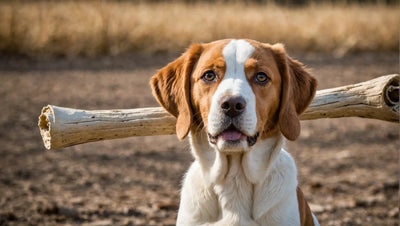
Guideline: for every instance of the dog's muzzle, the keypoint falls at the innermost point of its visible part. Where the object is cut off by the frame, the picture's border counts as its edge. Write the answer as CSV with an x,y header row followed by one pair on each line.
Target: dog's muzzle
x,y
231,123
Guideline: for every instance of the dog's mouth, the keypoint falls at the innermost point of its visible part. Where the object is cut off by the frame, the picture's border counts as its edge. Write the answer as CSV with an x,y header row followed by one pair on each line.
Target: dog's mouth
x,y
233,135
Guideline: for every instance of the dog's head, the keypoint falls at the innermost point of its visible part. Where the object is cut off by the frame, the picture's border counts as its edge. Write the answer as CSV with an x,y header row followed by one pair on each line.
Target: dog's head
x,y
237,91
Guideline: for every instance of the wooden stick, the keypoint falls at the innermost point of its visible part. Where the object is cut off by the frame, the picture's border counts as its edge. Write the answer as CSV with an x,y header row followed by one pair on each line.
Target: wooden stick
x,y
62,127
376,99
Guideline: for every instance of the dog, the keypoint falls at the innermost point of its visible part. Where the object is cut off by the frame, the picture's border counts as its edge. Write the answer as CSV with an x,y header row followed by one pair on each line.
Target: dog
x,y
237,101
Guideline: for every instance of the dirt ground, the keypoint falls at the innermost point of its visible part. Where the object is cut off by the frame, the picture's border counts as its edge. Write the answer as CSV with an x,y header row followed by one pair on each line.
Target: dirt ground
x,y
348,168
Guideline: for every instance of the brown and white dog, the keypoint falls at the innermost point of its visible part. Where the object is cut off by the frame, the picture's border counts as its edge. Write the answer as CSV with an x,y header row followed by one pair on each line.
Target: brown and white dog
x,y
237,100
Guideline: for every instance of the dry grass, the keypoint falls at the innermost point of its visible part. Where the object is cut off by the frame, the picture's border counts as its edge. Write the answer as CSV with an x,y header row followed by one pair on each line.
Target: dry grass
x,y
97,28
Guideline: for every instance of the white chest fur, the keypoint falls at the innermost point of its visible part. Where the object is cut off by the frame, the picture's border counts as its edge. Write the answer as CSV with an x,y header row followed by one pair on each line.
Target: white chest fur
x,y
240,189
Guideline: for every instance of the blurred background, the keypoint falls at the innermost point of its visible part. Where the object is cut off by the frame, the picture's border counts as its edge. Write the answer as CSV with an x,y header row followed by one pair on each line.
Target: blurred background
x,y
101,55
99,28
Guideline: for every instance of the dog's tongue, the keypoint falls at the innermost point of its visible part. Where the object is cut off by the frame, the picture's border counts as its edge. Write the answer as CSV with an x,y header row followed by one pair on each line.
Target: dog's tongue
x,y
231,135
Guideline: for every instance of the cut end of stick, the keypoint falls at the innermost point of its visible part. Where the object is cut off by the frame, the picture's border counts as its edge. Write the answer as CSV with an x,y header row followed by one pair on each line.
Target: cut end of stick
x,y
391,96
45,126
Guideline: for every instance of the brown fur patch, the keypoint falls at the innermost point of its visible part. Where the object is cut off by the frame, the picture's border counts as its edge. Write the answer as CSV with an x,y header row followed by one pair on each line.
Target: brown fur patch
x,y
171,87
298,90
306,218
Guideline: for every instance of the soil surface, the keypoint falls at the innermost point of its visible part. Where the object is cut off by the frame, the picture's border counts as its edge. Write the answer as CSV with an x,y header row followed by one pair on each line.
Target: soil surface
x,y
348,168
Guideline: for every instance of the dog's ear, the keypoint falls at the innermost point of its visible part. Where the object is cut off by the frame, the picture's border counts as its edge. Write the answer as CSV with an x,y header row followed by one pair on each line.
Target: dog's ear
x,y
297,91
171,87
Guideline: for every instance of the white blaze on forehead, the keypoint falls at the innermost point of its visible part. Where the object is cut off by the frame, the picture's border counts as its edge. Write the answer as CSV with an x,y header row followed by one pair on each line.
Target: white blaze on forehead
x,y
236,53
235,83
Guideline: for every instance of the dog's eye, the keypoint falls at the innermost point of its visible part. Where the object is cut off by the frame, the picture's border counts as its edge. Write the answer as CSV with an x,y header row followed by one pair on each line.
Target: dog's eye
x,y
261,78
209,76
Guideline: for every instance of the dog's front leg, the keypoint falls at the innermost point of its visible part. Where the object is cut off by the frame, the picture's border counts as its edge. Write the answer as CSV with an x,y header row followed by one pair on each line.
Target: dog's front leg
x,y
199,203
235,194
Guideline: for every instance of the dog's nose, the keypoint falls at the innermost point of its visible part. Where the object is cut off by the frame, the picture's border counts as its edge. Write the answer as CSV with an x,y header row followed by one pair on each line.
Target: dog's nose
x,y
233,105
